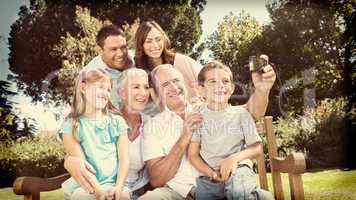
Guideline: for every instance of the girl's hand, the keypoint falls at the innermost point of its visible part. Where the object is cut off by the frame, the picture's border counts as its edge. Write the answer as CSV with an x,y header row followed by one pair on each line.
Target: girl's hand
x,y
82,172
227,167
99,193
113,193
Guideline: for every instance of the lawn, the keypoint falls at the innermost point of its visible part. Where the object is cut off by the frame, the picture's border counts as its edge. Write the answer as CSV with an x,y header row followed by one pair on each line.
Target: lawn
x,y
328,184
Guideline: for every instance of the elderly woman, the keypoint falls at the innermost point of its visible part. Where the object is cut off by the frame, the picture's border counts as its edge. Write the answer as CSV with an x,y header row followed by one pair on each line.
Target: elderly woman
x,y
133,89
153,48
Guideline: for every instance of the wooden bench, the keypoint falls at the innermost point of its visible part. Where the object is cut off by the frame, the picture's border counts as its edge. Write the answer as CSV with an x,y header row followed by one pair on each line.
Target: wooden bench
x,y
293,164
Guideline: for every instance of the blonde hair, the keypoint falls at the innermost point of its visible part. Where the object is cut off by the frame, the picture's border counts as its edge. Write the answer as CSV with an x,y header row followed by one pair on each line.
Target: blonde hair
x,y
91,75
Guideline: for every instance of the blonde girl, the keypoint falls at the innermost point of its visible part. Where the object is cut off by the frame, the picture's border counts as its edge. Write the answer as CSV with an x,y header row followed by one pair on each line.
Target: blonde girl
x,y
102,137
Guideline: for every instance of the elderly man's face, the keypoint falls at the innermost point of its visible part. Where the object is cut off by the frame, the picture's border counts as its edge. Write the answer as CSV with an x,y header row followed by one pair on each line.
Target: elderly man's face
x,y
171,88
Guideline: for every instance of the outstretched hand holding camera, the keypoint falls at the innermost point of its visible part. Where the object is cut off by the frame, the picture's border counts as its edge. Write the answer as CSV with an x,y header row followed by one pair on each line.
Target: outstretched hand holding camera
x,y
263,74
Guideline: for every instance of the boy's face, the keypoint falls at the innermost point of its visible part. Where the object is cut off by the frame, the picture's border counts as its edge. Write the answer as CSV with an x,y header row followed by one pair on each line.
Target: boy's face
x,y
218,86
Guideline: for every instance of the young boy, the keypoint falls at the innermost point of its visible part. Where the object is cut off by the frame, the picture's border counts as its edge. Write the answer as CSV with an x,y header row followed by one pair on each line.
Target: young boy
x,y
222,148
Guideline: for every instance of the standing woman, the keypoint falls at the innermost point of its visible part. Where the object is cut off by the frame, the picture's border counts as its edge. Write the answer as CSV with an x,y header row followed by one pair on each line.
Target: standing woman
x,y
153,48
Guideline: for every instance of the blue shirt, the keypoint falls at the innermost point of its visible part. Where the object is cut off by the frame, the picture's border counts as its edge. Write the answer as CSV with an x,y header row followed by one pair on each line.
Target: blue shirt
x,y
98,140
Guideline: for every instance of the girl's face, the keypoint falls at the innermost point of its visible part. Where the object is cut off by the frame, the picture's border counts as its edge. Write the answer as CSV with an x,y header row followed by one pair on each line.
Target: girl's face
x,y
154,44
217,86
135,93
96,94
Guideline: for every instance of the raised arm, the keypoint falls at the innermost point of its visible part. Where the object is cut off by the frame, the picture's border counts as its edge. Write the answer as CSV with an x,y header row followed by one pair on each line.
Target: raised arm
x,y
257,104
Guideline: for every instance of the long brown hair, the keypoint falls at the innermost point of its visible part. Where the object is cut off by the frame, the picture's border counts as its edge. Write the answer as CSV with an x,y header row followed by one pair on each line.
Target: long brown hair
x,y
141,59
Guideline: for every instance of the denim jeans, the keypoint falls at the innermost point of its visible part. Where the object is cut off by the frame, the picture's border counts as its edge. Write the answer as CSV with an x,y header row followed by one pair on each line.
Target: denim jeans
x,y
241,185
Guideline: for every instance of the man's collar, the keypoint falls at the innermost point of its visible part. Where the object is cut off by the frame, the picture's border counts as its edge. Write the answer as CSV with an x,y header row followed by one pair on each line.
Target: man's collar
x,y
188,108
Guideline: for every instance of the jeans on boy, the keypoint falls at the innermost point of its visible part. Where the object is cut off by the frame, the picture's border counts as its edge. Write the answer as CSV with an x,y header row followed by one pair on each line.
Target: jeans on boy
x,y
241,185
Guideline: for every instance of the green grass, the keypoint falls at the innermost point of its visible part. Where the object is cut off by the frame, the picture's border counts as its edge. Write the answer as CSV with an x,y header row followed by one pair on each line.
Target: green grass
x,y
328,184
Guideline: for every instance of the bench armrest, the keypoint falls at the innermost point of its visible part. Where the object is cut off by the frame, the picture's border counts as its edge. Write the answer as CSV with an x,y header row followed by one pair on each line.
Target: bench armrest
x,y
29,185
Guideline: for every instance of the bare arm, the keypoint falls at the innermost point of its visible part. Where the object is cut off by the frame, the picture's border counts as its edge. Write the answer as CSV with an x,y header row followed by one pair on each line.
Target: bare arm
x,y
229,164
123,147
76,166
257,104
197,161
252,151
164,168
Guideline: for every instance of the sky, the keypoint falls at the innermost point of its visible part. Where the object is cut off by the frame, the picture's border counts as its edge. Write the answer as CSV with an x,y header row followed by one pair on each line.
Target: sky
x,y
213,13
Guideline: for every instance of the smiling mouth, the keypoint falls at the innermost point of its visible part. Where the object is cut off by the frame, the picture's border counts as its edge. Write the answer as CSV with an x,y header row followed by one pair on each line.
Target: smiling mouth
x,y
156,51
141,100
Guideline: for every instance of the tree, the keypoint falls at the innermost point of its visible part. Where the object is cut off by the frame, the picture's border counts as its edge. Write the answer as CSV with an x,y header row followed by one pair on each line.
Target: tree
x,y
31,40
232,39
40,27
9,121
303,40
75,51
230,43
7,118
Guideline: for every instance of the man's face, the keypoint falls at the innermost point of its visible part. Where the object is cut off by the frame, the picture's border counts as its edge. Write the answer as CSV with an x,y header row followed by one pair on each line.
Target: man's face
x,y
171,88
114,52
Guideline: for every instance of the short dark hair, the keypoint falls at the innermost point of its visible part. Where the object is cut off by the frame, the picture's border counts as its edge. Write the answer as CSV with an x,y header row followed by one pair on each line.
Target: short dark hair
x,y
213,65
106,31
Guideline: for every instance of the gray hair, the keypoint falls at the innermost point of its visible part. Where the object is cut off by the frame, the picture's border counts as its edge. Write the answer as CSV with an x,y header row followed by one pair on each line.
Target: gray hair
x,y
159,68
129,73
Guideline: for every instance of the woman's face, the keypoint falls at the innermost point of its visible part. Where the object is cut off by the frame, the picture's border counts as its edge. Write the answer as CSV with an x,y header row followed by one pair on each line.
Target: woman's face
x,y
154,44
135,92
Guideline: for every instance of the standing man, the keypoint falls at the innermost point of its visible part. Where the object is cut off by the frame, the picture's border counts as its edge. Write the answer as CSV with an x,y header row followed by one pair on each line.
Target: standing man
x,y
113,56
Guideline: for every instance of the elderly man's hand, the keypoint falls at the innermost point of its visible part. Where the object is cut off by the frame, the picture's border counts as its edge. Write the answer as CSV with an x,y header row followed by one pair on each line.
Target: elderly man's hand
x,y
82,172
263,82
192,122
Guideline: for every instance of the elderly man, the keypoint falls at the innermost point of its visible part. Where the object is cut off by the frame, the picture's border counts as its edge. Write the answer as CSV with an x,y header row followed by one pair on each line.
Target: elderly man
x,y
167,136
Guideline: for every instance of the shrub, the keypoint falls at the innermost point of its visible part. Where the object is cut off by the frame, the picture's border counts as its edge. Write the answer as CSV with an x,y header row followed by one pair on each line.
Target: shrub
x,y
319,133
39,156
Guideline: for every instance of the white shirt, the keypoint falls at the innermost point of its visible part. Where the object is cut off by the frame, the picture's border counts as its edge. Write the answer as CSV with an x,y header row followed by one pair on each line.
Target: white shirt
x,y
137,175
160,135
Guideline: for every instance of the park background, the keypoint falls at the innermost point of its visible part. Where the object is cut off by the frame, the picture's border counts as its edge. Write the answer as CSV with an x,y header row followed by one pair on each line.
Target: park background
x,y
310,42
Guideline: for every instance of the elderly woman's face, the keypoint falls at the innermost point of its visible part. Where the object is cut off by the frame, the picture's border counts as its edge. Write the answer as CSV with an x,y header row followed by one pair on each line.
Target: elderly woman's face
x,y
135,92
154,44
